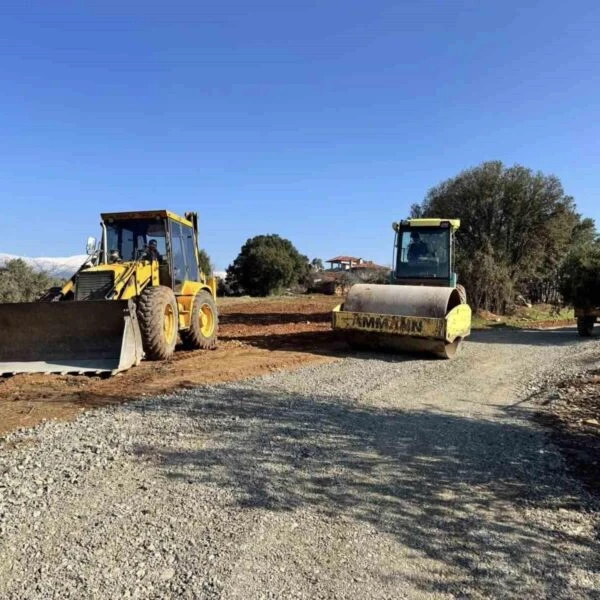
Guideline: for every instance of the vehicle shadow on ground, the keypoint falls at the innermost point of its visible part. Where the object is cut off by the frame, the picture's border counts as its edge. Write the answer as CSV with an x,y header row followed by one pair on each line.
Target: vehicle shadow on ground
x,y
440,484
563,336
274,318
334,343
321,343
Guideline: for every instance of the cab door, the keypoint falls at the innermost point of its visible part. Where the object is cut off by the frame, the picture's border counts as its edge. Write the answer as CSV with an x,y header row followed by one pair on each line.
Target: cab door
x,y
184,258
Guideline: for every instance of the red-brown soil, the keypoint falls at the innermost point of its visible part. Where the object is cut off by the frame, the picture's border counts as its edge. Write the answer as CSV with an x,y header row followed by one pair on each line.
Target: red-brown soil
x,y
256,337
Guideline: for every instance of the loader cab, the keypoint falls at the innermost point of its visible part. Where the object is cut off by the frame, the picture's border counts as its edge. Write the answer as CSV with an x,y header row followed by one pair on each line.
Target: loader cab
x,y
184,253
127,240
424,252
128,236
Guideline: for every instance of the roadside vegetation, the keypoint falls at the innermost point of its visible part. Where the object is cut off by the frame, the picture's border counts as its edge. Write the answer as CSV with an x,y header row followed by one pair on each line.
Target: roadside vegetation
x,y
21,283
520,232
523,317
205,262
267,264
580,280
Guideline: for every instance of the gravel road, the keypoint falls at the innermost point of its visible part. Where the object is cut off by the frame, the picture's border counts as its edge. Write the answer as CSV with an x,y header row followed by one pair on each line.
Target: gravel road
x,y
371,477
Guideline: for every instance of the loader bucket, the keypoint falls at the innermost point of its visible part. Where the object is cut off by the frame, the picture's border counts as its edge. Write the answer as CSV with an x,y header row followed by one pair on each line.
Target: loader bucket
x,y
404,318
100,336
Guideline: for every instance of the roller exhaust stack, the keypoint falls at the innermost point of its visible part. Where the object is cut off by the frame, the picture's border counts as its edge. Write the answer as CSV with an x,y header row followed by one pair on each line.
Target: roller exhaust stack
x,y
69,337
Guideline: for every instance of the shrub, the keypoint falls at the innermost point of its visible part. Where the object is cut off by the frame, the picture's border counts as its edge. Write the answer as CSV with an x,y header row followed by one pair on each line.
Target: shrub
x,y
267,264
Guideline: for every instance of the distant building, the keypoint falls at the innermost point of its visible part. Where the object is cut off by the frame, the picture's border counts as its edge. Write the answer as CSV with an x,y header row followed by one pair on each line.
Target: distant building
x,y
368,264
352,263
343,263
344,271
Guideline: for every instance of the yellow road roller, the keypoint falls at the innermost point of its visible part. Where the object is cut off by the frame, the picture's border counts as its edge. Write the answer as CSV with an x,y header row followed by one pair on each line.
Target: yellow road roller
x,y
139,291
422,309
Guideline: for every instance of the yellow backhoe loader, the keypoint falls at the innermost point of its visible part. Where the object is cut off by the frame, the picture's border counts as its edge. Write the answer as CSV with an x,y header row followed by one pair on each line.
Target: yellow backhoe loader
x,y
140,289
423,309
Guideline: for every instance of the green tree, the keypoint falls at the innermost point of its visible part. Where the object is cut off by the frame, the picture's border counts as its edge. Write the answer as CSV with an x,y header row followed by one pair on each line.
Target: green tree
x,y
20,283
580,271
517,226
584,233
267,264
205,262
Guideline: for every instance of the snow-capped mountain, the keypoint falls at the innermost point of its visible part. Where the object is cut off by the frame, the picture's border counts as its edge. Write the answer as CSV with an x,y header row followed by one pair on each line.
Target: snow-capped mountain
x,y
62,267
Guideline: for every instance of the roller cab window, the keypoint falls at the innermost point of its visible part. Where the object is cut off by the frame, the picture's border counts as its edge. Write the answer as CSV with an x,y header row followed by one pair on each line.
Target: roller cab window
x,y
423,253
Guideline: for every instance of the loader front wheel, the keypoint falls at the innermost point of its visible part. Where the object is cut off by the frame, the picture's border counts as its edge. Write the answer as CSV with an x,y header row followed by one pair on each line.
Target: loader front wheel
x,y
157,315
204,320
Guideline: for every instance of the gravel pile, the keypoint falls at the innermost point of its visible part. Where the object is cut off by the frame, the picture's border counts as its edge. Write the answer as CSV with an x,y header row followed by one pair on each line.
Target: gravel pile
x,y
373,477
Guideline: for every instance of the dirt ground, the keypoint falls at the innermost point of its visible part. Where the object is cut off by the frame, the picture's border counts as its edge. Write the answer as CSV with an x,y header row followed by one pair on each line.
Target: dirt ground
x,y
572,411
256,337
370,477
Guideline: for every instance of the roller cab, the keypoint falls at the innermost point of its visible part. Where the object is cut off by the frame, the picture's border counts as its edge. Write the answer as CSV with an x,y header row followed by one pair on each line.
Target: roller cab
x,y
423,309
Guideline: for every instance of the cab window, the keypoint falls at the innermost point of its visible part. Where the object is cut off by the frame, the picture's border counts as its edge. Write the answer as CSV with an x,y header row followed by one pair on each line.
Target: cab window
x,y
179,266
424,253
191,255
126,239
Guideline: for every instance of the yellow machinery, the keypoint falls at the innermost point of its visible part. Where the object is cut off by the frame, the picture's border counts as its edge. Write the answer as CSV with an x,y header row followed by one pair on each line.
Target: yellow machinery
x,y
140,289
423,309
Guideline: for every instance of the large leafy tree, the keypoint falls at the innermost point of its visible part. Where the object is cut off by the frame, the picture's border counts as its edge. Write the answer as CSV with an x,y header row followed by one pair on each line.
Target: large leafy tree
x,y
516,228
204,262
20,283
580,272
267,264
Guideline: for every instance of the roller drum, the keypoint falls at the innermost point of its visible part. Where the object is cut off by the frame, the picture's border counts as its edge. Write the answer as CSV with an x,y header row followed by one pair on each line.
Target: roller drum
x,y
402,300
396,309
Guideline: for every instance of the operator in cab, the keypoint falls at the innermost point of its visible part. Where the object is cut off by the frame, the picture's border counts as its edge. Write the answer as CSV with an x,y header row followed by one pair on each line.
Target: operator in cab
x,y
152,251
417,248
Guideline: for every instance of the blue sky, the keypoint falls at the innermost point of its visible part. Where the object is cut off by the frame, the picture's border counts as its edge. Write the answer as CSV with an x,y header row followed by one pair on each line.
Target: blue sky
x,y
320,121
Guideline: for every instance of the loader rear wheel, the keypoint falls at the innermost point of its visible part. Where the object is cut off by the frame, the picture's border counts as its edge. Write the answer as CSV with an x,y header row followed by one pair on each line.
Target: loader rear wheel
x,y
157,315
204,321
585,326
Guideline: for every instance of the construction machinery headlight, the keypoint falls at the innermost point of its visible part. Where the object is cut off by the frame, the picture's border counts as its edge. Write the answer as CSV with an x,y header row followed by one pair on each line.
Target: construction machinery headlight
x,y
396,226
